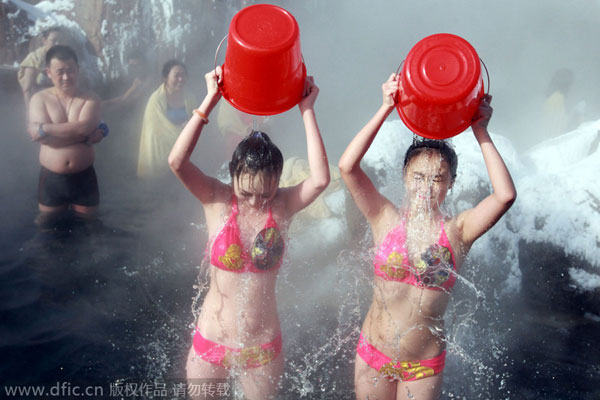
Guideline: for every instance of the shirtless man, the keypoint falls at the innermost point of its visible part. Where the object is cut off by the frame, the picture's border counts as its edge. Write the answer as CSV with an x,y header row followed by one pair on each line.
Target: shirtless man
x,y
64,120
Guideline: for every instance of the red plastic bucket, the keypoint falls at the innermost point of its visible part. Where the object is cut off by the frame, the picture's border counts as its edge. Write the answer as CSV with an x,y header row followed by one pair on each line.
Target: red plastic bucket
x,y
263,73
440,86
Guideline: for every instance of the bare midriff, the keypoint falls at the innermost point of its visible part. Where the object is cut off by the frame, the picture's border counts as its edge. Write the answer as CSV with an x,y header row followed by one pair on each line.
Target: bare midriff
x,y
240,309
67,160
405,322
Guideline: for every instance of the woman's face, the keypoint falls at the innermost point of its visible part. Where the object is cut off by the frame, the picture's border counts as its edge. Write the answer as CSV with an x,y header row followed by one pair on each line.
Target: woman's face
x,y
176,78
255,190
427,179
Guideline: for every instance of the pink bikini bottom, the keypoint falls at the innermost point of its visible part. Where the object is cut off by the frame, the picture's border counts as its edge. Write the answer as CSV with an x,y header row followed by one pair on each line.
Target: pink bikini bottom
x,y
246,357
403,370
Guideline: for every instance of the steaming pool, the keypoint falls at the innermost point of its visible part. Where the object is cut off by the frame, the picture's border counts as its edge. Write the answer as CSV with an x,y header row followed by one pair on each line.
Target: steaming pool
x,y
113,303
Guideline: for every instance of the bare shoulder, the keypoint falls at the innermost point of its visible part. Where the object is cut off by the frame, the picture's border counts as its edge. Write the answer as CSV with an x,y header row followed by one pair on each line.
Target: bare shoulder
x,y
458,221
454,231
42,96
88,95
279,202
215,210
221,194
453,227
38,104
89,105
388,218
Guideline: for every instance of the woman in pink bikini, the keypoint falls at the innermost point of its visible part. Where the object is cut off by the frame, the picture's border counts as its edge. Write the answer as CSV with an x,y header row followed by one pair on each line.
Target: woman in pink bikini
x,y
401,349
238,327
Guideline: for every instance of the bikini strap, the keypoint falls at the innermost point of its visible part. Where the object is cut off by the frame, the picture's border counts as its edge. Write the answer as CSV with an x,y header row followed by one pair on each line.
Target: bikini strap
x,y
445,241
270,220
234,205
443,237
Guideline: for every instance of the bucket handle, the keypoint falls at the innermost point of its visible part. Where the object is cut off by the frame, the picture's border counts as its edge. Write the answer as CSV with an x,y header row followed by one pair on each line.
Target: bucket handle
x,y
398,69
488,76
482,63
398,79
219,48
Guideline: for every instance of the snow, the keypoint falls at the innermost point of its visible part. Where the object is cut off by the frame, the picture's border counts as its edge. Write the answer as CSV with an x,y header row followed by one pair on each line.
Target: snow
x,y
165,23
584,280
559,198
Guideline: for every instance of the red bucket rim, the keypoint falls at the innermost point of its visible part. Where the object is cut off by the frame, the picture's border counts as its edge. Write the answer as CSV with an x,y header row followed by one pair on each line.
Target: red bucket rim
x,y
258,34
275,110
250,29
441,70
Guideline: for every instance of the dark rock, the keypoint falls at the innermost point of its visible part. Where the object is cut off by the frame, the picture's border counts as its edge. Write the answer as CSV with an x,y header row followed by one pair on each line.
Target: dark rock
x,y
546,283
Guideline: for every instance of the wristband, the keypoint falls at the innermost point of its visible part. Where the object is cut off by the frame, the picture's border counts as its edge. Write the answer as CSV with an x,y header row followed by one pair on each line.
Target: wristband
x,y
203,116
104,128
41,131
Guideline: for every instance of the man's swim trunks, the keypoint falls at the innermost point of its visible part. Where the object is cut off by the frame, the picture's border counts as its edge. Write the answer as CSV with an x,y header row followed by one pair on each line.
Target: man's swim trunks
x,y
79,188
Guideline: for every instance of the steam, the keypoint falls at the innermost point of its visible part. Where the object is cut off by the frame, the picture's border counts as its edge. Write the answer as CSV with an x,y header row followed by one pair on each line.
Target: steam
x,y
351,47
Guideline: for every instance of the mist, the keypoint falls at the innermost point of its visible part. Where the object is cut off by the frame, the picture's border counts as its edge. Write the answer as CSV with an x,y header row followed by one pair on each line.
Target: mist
x,y
353,46
350,47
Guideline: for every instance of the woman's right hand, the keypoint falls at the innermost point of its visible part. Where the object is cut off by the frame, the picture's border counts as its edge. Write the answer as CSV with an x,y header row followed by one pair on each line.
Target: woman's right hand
x,y
213,79
309,94
390,90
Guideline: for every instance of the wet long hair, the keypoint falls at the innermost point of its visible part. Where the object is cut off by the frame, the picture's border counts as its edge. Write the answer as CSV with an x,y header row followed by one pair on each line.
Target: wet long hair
x,y
256,153
442,147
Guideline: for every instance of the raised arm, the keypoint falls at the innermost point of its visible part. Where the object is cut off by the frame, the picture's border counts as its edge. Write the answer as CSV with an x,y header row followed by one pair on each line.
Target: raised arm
x,y
205,188
367,198
475,222
301,195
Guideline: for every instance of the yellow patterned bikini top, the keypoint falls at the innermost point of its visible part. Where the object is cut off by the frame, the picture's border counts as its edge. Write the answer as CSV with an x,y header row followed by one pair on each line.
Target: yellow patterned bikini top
x,y
228,253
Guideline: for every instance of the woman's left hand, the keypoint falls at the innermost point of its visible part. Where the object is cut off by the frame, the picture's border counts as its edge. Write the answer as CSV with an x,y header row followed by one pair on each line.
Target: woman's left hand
x,y
484,113
311,91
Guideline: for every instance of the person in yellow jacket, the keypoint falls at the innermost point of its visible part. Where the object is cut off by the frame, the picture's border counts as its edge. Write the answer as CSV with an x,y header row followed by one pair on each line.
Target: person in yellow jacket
x,y
555,114
167,111
32,70
235,125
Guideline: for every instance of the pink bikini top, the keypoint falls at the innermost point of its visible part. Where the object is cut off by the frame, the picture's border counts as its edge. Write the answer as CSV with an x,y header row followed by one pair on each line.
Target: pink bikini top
x,y
229,254
435,269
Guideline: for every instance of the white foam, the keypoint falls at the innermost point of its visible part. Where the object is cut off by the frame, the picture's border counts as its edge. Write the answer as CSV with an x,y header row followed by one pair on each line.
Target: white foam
x,y
584,280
